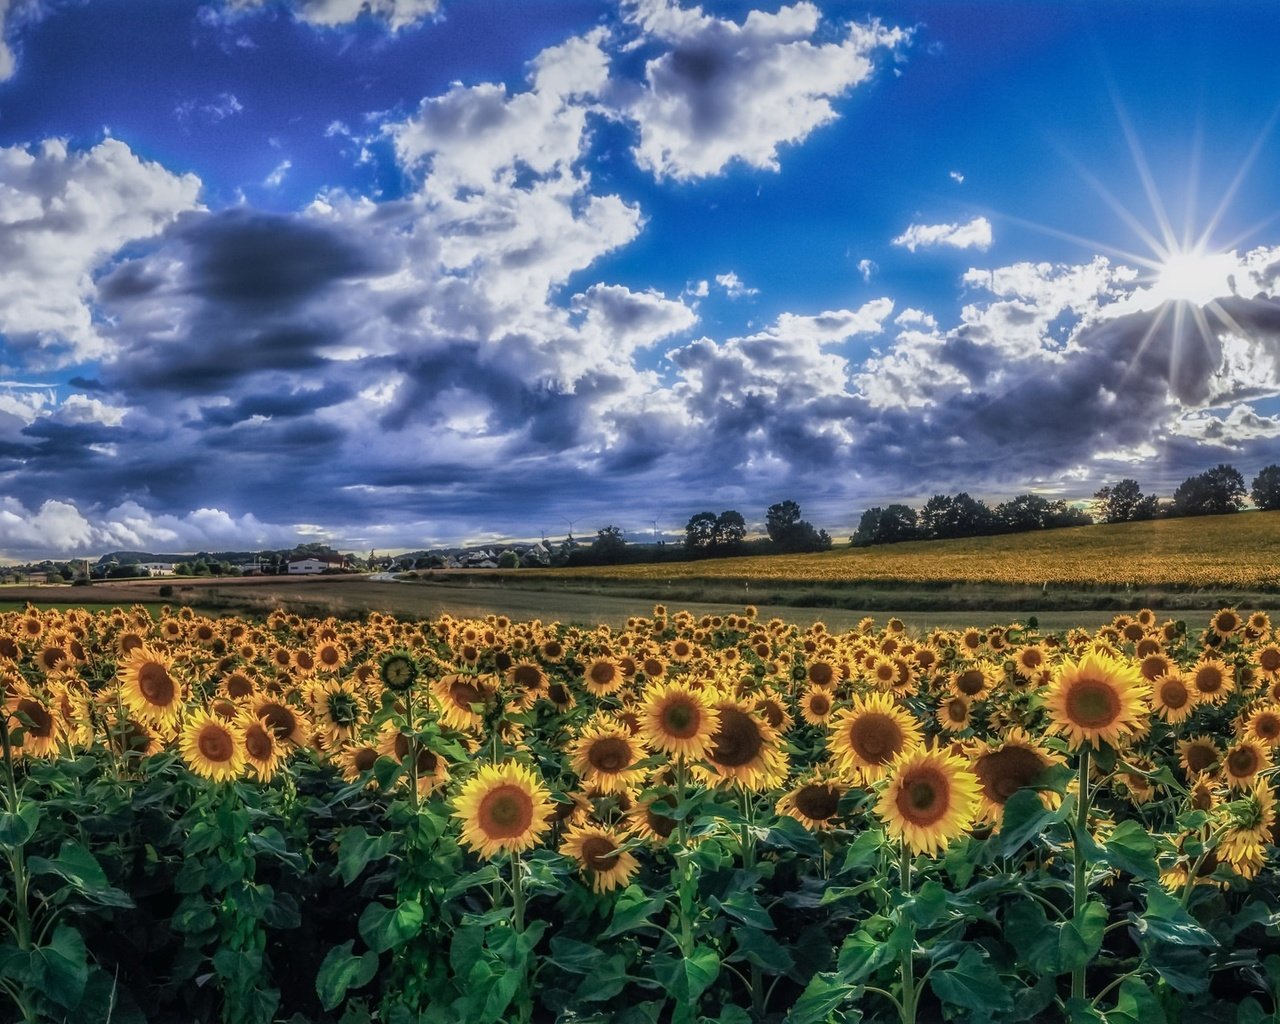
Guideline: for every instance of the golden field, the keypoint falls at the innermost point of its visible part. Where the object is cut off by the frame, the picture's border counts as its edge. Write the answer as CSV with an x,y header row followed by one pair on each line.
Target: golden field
x,y
1241,551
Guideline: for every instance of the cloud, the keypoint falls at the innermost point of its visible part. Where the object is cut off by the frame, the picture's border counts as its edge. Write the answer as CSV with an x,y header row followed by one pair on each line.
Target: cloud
x,y
976,234
276,178
719,91
866,268
63,214
396,14
734,286
957,177
8,63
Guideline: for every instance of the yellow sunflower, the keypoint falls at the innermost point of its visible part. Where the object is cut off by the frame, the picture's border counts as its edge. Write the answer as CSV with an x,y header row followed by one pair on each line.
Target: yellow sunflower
x,y
954,713
814,800
1096,700
148,688
503,809
1243,761
1264,725
599,851
37,716
868,735
603,676
263,753
1267,660
678,720
1225,622
1197,754
1214,680
457,694
212,748
745,748
931,799
974,680
356,759
337,711
1003,768
816,705
1173,697
605,755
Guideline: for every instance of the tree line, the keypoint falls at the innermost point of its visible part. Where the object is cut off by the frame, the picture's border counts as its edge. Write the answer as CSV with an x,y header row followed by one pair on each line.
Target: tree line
x,y
1217,491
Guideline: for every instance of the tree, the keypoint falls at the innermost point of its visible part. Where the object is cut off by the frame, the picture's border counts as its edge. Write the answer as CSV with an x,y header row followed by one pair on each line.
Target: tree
x,y
730,530
700,531
507,560
1124,503
780,518
944,516
1266,488
609,545
791,533
886,526
1214,492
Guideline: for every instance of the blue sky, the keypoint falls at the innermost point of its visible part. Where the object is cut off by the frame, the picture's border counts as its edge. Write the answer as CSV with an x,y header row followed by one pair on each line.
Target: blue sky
x,y
397,273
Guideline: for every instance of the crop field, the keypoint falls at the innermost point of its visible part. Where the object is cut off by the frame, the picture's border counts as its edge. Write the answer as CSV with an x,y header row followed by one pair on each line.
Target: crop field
x,y
685,818
1239,551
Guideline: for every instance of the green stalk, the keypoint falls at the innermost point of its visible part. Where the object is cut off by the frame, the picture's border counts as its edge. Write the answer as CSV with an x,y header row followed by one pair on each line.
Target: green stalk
x,y
749,864
524,1000
684,1014
1080,890
17,858
907,963
413,749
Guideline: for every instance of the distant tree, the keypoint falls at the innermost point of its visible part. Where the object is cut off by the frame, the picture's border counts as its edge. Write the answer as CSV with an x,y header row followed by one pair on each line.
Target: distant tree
x,y
422,562
945,516
124,572
936,517
730,531
507,560
182,569
780,518
1124,502
790,533
1266,488
1023,513
700,531
887,525
609,545
1214,492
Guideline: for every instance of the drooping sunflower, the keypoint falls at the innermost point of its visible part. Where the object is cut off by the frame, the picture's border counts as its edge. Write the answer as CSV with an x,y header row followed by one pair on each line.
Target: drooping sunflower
x,y
649,817
212,748
931,799
775,712
605,755
263,753
678,720
1173,697
148,688
356,759
601,856
1244,760
868,735
457,694
1096,700
814,800
745,748
503,809
337,711
1003,768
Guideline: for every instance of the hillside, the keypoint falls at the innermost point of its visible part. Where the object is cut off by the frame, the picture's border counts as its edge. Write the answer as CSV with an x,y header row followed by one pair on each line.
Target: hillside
x,y
1239,551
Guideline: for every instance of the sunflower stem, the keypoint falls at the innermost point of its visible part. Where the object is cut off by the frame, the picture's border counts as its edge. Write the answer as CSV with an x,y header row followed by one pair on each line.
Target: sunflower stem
x,y
749,865
413,748
907,1006
17,858
1080,888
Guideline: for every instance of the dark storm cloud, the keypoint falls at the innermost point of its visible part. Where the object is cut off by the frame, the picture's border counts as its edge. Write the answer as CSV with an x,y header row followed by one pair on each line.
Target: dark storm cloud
x,y
276,406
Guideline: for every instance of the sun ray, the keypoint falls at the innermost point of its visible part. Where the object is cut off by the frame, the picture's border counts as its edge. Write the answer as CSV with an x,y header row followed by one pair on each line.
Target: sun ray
x,y
1144,171
1241,172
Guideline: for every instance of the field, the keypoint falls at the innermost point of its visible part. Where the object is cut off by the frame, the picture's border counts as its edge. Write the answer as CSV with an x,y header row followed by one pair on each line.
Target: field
x,y
688,818
1236,551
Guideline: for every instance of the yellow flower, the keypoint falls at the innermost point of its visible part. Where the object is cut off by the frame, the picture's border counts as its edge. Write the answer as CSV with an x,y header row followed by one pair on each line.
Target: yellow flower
x,y
931,799
1003,768
605,756
599,853
213,748
745,748
148,688
814,800
1173,697
871,733
678,720
503,809
1096,700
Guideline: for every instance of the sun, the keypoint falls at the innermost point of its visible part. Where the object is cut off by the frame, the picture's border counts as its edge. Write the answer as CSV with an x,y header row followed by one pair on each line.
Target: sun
x,y
1197,276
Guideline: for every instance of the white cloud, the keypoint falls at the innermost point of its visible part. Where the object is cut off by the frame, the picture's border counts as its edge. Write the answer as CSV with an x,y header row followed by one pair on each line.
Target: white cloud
x,y
276,178
910,317
957,177
7,63
724,91
82,409
976,234
834,325
397,14
866,268
734,287
62,215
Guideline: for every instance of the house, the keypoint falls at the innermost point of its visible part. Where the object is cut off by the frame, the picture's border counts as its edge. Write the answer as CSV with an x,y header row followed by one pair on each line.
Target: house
x,y
158,568
316,563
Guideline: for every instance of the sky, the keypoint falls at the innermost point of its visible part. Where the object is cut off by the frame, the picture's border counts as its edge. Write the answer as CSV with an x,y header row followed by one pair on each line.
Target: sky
x,y
398,274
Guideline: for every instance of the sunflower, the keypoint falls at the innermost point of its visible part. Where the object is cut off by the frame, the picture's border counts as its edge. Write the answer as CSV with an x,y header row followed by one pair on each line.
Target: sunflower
x,y
600,854
677,719
432,769
356,759
1140,788
503,809
602,677
931,799
1197,755
1155,665
457,694
1173,697
528,682
237,684
775,712
263,753
213,748
1097,700
1243,761
148,688
971,640
284,721
745,748
33,712
1267,660
883,673
1214,680
816,705
868,735
1003,768
649,819
330,656
1029,661
814,801
398,670
974,679
1225,622
337,710
953,713
605,755
1264,725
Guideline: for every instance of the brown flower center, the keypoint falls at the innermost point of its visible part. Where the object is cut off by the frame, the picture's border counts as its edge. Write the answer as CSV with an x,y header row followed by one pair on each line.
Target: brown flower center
x,y
41,720
1209,679
1243,762
681,718
817,802
215,744
599,853
738,741
876,737
155,684
1174,694
1200,756
609,754
280,719
1092,704
1002,773
971,681
923,796
527,677
603,673
364,759
258,742
505,812
821,674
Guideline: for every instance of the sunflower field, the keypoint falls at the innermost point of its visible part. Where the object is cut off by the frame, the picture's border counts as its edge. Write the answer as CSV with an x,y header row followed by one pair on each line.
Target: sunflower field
x,y
714,819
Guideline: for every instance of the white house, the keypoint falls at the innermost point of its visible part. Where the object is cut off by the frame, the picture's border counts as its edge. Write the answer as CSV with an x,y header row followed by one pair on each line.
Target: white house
x,y
158,568
315,564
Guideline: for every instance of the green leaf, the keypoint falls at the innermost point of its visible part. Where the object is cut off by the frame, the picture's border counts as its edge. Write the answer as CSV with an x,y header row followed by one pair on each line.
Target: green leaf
x,y
1166,920
789,834
687,977
383,928
61,968
823,995
16,829
1036,939
632,910
1081,938
1130,848
605,979
863,851
927,906
342,971
762,949
1136,1004
356,848
744,906
862,954
1025,817
972,983
1185,970
272,842
386,770
81,870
